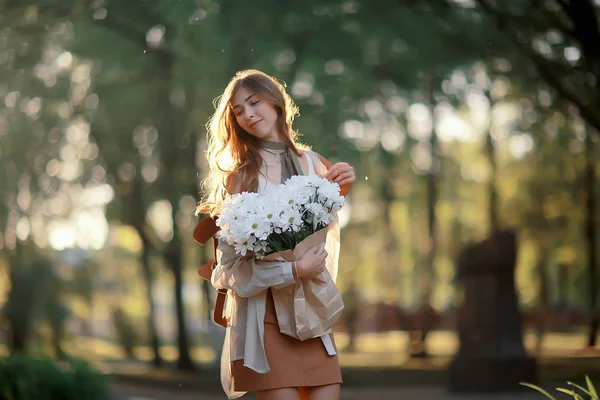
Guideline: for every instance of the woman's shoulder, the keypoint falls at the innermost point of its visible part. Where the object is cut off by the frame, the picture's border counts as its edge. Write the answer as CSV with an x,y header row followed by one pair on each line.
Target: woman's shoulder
x,y
320,168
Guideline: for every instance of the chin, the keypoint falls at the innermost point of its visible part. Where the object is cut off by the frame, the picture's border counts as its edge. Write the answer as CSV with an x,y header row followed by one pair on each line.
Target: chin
x,y
261,135
257,135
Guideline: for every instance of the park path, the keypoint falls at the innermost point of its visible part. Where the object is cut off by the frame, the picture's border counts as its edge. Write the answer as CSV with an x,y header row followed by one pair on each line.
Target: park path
x,y
134,392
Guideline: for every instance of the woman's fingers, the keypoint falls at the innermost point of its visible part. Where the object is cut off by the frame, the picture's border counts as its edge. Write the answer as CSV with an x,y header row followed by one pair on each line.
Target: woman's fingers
x,y
335,172
321,270
346,181
337,169
345,177
324,255
317,250
332,171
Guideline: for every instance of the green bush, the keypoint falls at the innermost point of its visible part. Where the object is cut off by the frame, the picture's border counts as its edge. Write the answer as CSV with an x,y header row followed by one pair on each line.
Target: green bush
x,y
26,378
580,393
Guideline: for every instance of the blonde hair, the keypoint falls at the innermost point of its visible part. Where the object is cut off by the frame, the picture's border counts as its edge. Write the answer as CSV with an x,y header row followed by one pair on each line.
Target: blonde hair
x,y
233,154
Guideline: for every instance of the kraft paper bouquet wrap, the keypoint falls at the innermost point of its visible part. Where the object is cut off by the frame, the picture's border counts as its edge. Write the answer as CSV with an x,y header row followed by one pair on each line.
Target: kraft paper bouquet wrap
x,y
282,224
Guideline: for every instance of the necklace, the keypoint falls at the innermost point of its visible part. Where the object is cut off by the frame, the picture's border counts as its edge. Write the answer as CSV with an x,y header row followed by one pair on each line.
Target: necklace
x,y
277,156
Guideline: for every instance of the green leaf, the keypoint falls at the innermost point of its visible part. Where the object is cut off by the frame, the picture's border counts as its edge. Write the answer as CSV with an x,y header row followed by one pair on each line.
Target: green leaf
x,y
570,393
580,388
592,389
539,389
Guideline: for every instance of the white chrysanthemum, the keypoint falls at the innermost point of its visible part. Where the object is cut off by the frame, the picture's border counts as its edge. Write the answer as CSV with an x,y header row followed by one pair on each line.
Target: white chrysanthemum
x,y
233,220
316,210
299,189
316,215
248,204
300,181
285,196
334,204
260,248
243,246
291,219
258,226
228,211
329,190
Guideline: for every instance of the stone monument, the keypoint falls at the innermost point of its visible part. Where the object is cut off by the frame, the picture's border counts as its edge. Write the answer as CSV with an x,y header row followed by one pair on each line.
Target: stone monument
x,y
492,356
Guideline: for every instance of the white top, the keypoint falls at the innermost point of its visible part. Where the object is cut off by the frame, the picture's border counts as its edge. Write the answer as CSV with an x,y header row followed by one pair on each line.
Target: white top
x,y
247,280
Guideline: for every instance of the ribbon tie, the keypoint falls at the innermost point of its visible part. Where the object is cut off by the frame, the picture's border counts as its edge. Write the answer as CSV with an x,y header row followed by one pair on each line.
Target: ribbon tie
x,y
290,166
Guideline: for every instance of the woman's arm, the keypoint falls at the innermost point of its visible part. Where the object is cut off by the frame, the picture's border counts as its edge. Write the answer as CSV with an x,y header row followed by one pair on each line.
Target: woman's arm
x,y
247,276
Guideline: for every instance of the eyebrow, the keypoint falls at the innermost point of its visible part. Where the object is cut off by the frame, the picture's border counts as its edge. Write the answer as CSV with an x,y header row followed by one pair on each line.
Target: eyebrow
x,y
247,98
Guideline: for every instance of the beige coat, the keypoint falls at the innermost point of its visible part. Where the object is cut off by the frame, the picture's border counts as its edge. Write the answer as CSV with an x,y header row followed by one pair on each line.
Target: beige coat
x,y
247,280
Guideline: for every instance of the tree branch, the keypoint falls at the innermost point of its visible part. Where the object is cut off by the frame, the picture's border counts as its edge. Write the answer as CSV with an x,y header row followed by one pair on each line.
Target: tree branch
x,y
545,72
561,26
586,112
564,5
123,30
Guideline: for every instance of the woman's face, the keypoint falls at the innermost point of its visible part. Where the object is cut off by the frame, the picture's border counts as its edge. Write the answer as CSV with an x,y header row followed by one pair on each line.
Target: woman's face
x,y
255,114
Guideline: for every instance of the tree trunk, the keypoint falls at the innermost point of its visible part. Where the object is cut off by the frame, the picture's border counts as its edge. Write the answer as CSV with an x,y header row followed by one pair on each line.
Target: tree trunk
x,y
138,208
184,362
57,333
492,186
176,151
149,281
591,239
543,299
205,286
563,296
426,310
19,325
18,340
390,273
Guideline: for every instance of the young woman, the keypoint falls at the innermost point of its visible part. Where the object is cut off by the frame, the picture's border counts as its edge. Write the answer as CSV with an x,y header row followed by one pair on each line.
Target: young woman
x,y
252,145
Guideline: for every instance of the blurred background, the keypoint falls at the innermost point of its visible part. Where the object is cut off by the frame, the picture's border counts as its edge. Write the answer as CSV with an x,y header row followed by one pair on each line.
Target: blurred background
x,y
462,118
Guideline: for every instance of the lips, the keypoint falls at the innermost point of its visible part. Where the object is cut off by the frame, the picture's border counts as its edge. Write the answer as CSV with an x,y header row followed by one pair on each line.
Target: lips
x,y
252,125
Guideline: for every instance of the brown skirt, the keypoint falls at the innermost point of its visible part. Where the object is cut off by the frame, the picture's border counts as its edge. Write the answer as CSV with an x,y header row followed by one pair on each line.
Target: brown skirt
x,y
293,363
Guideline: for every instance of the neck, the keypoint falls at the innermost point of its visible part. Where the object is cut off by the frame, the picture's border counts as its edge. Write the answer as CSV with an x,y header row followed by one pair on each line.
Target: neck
x,y
275,135
267,144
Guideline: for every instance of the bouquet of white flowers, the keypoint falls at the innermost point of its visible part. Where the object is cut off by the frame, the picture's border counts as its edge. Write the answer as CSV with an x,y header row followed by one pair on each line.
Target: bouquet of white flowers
x,y
280,218
282,224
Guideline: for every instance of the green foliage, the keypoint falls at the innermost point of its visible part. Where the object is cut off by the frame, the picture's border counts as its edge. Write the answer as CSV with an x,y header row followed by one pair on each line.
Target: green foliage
x,y
26,378
579,393
35,296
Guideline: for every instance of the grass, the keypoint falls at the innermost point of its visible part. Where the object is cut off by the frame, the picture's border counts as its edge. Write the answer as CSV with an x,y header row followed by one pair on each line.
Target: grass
x,y
561,353
383,349
380,360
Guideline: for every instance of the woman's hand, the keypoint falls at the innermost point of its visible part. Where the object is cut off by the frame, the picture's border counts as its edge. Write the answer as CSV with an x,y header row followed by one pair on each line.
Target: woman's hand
x,y
341,173
312,264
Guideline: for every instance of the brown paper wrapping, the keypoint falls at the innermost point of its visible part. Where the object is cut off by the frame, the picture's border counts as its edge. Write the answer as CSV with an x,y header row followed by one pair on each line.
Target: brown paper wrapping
x,y
316,306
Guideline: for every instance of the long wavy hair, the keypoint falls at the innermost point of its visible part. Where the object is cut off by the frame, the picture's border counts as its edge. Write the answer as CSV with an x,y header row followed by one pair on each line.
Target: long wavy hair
x,y
233,154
